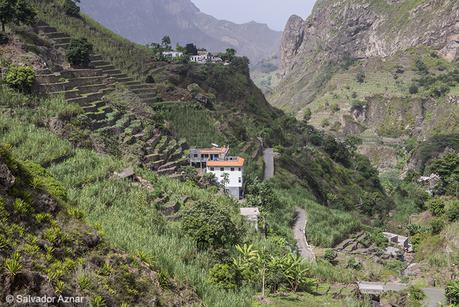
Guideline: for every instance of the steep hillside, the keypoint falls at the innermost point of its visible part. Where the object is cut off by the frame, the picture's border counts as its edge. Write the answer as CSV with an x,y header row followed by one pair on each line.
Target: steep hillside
x,y
85,126
47,250
149,20
382,70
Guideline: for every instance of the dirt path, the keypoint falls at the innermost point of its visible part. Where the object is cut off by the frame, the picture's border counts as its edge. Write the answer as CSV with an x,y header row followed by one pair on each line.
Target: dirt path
x,y
268,157
300,237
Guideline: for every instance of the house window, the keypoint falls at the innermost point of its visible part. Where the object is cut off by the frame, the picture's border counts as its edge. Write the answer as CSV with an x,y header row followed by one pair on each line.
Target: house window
x,y
195,155
222,169
239,169
232,169
212,169
240,180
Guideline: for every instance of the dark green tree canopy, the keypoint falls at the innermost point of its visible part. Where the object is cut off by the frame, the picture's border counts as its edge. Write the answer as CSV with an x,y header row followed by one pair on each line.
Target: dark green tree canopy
x,y
17,12
210,225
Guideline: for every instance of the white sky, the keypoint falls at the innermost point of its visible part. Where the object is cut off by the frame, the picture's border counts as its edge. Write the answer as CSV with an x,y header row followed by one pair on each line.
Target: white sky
x,y
273,12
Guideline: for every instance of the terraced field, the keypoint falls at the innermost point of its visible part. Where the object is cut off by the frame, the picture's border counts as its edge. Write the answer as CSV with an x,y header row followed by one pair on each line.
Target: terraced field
x,y
89,88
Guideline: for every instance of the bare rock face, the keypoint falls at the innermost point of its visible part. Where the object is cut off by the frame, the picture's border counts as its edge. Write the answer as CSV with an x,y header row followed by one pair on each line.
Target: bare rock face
x,y
340,29
7,179
292,39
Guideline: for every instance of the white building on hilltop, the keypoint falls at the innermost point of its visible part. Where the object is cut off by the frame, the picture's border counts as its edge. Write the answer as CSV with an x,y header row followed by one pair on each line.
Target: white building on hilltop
x,y
227,170
172,54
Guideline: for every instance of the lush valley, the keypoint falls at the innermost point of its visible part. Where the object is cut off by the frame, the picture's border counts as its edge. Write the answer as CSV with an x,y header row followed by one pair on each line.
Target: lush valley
x,y
73,224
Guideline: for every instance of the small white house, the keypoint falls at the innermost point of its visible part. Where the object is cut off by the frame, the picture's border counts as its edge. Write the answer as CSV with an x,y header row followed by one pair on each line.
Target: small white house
x,y
201,58
172,54
232,169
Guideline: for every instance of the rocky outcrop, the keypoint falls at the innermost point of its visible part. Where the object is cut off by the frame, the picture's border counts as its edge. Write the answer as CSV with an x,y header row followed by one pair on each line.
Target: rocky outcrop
x,y
341,30
7,179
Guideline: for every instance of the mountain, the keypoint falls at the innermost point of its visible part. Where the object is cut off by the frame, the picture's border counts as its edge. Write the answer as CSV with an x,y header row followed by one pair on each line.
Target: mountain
x,y
385,71
149,20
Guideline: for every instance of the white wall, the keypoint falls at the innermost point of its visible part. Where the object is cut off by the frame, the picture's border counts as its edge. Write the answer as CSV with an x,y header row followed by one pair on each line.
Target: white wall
x,y
233,175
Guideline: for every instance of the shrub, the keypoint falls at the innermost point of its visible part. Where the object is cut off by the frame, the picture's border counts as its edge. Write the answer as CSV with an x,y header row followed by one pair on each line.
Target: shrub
x,y
71,8
330,255
452,211
223,276
413,89
437,225
452,292
79,52
209,225
360,77
4,39
436,206
150,79
20,78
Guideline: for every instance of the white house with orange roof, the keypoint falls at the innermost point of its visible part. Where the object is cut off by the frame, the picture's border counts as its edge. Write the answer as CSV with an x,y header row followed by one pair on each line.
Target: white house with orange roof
x,y
231,169
215,160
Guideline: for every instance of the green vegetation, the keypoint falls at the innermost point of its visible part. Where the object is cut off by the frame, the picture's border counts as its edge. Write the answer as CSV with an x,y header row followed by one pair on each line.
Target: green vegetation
x,y
210,226
79,52
16,12
20,78
452,292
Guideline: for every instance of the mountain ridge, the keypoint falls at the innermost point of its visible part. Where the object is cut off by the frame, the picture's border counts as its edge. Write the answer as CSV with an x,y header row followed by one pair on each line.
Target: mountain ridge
x,y
185,23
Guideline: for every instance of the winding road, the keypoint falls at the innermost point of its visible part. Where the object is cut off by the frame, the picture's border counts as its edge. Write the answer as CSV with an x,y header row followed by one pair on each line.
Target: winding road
x,y
268,157
299,234
304,248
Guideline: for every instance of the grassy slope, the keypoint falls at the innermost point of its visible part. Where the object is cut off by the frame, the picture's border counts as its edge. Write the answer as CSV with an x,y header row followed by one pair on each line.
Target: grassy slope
x,y
121,210
45,237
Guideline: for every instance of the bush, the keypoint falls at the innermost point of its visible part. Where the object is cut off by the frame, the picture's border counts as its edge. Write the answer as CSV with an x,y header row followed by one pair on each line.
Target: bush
x,y
79,52
71,8
437,225
452,292
413,89
4,39
150,79
20,78
360,77
330,255
436,206
223,276
452,210
209,225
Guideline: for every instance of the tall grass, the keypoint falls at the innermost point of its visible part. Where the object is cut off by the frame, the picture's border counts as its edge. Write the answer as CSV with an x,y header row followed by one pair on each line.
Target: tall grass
x,y
325,227
128,218
32,143
194,124
86,167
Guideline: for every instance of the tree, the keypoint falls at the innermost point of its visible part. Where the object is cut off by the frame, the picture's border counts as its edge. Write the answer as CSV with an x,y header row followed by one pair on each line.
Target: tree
x,y
17,12
166,42
261,195
191,49
71,8
209,225
79,52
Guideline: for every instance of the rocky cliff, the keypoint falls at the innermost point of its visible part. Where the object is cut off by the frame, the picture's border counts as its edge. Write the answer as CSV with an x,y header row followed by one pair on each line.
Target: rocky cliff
x,y
149,20
363,29
382,70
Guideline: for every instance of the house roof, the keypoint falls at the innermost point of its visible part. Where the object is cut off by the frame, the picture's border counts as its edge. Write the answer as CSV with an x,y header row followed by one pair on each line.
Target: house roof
x,y
238,162
214,150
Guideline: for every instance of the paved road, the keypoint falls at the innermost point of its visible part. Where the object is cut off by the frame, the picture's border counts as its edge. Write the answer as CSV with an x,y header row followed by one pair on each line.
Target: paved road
x,y
434,296
299,235
268,157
